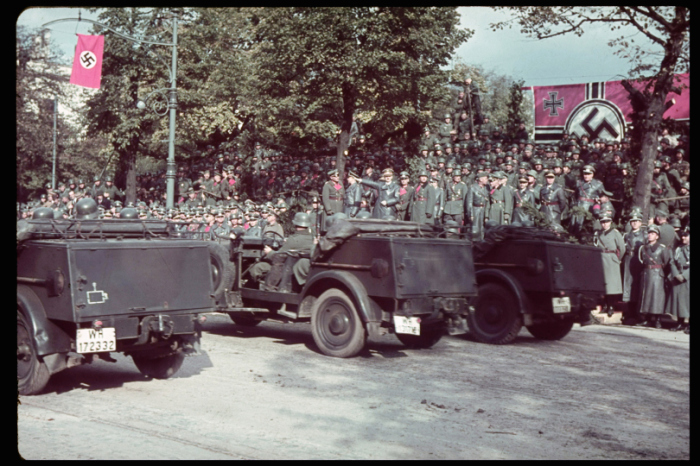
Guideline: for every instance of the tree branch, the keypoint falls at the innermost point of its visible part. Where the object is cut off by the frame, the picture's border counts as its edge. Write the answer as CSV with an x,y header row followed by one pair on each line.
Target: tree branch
x,y
639,26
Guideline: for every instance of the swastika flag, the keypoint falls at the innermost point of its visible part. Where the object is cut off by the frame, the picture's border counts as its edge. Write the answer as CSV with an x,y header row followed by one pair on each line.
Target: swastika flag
x,y
87,62
599,109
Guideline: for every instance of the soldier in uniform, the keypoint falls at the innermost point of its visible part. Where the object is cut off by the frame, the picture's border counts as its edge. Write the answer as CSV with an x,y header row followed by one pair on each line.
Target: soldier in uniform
x,y
388,195
521,196
655,258
678,301
611,242
552,198
477,204
501,206
667,235
632,267
421,195
353,195
439,204
456,192
333,194
587,194
405,195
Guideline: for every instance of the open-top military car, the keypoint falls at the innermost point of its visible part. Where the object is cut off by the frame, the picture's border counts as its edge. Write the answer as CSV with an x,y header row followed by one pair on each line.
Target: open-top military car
x,y
419,282
88,287
365,277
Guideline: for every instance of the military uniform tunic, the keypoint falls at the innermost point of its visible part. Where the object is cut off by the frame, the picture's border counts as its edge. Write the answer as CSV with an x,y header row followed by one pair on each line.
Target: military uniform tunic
x,y
454,201
520,197
476,207
632,267
333,196
422,199
405,196
613,246
353,197
678,302
501,206
552,202
654,258
388,192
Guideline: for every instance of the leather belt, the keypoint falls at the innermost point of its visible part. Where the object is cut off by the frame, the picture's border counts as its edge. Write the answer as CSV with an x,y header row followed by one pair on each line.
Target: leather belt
x,y
550,203
497,202
478,205
609,251
334,198
654,266
587,200
421,198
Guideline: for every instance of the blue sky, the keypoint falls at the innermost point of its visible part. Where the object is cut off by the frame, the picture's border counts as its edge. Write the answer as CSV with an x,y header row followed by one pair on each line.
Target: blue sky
x,y
560,60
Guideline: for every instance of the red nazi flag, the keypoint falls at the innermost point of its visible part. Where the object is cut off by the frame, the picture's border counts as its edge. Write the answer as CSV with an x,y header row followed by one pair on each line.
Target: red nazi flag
x,y
87,62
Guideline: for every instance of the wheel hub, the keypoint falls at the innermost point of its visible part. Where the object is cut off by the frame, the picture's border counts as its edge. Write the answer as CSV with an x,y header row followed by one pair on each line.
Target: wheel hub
x,y
338,324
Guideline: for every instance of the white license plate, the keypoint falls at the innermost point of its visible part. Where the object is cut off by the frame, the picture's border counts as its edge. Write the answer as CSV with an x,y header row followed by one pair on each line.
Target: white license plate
x,y
90,340
410,325
561,305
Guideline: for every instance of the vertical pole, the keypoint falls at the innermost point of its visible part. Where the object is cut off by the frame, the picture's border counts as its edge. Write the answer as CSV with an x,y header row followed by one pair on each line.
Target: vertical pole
x,y
55,115
172,105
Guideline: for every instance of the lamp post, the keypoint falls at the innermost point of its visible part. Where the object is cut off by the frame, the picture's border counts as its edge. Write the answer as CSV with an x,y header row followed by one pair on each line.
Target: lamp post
x,y
172,98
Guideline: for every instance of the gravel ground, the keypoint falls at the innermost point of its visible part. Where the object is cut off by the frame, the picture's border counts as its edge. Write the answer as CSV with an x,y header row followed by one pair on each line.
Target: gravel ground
x,y
603,392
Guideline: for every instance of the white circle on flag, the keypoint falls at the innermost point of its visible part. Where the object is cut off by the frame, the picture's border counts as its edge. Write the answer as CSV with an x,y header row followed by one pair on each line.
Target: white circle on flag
x,y
87,59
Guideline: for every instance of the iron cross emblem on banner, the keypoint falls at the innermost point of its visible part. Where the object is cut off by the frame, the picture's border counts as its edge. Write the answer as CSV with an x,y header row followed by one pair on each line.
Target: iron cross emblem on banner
x,y
553,104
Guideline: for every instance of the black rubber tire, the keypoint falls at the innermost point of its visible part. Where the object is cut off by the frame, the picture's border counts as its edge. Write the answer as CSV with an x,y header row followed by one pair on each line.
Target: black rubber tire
x,y
245,321
496,319
32,373
159,368
223,272
429,336
336,326
551,330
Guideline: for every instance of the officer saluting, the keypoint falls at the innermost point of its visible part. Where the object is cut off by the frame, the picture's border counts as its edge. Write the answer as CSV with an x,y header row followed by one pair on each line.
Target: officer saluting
x,y
353,195
388,195
587,193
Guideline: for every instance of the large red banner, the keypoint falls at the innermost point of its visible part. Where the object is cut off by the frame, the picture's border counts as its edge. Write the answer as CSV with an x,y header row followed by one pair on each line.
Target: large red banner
x,y
600,109
87,62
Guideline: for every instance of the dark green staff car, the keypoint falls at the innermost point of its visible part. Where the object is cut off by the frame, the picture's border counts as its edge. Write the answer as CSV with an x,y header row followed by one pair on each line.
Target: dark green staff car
x,y
86,288
420,282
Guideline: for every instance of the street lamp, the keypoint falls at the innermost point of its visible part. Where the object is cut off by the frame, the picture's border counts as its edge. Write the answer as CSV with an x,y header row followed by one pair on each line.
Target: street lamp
x,y
171,98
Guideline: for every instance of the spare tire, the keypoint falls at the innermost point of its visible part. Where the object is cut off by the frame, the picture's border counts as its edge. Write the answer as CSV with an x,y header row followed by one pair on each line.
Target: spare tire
x,y
223,272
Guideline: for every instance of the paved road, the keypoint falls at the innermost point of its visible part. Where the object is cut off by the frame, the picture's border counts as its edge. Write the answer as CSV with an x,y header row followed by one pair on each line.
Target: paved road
x,y
266,393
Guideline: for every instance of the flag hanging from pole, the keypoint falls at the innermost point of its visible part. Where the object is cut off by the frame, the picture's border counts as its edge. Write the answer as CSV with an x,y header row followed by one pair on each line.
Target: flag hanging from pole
x,y
599,109
87,62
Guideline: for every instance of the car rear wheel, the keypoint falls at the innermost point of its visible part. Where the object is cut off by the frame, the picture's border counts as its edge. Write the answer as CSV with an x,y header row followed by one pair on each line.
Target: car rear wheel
x,y
32,373
336,327
551,330
495,319
223,272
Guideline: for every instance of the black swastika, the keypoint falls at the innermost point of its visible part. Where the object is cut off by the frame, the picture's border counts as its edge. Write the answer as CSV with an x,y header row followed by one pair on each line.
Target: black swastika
x,y
87,58
593,133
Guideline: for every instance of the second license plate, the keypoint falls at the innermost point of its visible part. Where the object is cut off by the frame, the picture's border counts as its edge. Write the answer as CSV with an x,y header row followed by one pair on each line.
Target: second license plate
x,y
409,325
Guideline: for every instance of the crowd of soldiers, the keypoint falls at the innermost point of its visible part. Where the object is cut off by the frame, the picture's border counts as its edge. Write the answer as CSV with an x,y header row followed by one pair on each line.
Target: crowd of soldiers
x,y
467,174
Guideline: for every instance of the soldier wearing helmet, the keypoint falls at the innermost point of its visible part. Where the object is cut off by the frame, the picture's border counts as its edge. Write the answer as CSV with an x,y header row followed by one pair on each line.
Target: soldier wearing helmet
x,y
301,243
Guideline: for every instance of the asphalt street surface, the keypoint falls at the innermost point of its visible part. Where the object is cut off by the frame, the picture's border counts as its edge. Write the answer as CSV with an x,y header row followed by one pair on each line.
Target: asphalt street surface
x,y
603,392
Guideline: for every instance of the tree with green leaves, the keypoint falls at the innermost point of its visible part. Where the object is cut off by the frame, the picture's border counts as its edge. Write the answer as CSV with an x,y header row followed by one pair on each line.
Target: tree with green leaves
x,y
665,32
316,68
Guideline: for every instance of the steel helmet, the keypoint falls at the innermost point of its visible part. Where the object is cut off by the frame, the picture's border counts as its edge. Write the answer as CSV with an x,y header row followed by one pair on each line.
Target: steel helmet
x,y
301,219
86,209
128,213
42,213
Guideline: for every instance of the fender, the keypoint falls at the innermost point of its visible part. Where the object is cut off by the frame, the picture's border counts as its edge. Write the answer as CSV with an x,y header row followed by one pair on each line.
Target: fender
x,y
368,309
48,337
508,280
